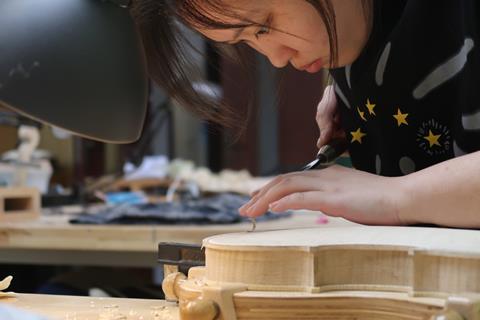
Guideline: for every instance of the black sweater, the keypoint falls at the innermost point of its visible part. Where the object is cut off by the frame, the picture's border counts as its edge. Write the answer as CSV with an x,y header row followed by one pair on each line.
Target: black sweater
x,y
412,98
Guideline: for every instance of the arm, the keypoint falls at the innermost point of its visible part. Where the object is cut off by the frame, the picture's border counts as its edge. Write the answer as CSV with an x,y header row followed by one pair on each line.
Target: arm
x,y
446,194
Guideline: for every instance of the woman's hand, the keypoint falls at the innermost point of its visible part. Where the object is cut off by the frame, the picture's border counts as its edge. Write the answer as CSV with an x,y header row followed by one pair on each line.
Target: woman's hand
x,y
328,118
336,191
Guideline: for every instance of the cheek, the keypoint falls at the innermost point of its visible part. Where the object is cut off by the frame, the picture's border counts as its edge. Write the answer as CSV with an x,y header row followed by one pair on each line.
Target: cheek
x,y
254,46
318,32
324,41
320,42
311,39
316,45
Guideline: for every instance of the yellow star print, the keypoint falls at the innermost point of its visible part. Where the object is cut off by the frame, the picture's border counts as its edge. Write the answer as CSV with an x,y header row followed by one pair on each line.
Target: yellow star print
x,y
362,114
357,135
401,117
432,138
370,106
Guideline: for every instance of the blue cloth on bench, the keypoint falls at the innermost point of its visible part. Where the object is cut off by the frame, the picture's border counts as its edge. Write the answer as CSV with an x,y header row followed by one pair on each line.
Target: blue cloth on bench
x,y
218,209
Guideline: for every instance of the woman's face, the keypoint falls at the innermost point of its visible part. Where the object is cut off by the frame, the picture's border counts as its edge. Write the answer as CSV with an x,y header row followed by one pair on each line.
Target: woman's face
x,y
295,32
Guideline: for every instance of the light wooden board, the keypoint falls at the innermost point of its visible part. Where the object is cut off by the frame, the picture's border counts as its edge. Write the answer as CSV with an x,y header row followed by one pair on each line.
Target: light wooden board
x,y
236,302
457,241
359,305
348,272
422,261
88,308
54,232
51,239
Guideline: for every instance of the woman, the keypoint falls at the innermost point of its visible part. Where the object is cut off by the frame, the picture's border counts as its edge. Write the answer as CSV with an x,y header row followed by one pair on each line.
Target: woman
x,y
404,98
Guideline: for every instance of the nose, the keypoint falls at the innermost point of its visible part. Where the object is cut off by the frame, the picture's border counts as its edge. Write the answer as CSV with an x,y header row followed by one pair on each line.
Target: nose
x,y
278,54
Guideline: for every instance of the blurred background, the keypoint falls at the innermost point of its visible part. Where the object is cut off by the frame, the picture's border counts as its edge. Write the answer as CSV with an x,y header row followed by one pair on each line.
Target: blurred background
x,y
281,134
74,174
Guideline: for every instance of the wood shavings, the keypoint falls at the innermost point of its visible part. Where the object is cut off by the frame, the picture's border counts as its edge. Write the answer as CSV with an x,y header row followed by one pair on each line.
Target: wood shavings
x,y
4,284
164,313
111,312
254,224
225,181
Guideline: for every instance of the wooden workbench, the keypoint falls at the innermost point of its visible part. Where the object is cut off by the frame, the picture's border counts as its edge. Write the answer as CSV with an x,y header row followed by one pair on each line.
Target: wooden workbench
x,y
88,308
52,240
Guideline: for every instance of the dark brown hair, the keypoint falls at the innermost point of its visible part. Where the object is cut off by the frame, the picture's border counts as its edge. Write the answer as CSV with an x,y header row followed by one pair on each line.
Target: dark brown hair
x,y
158,23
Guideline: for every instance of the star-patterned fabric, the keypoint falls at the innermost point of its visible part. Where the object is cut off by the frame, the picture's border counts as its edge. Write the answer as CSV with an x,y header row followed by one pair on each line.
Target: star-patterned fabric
x,y
411,99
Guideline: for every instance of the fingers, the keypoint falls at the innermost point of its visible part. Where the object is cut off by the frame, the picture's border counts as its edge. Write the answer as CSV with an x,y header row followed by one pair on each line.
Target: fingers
x,y
295,182
281,187
326,202
327,116
260,192
296,201
310,200
256,195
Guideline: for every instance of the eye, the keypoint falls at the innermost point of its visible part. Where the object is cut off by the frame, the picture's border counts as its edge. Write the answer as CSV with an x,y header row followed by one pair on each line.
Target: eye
x,y
264,28
262,31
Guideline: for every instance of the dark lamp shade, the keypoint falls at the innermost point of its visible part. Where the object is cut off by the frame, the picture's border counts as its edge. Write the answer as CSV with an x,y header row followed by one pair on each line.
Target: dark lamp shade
x,y
75,64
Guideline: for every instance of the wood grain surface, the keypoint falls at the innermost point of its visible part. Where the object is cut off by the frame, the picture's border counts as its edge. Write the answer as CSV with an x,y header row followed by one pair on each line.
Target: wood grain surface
x,y
88,308
51,239
423,261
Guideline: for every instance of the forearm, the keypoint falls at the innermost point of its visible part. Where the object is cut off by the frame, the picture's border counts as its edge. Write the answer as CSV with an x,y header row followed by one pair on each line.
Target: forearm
x,y
446,194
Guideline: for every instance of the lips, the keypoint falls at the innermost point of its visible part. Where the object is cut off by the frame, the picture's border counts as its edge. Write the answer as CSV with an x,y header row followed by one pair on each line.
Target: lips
x,y
313,67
